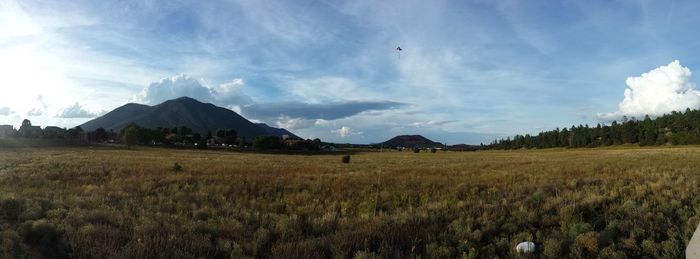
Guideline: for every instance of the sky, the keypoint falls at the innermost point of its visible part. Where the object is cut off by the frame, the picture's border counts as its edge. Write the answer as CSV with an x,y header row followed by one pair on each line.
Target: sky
x,y
468,72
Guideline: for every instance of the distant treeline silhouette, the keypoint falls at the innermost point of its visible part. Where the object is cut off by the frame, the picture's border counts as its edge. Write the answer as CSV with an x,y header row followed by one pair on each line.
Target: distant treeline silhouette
x,y
677,128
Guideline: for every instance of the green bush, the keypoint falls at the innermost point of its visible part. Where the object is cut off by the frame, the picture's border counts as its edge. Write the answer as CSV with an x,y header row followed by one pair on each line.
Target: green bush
x,y
177,167
587,242
98,241
579,228
11,208
552,248
45,237
11,245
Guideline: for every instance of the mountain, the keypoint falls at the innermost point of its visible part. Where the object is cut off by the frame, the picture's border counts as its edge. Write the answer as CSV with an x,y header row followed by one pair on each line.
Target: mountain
x,y
410,141
277,131
183,111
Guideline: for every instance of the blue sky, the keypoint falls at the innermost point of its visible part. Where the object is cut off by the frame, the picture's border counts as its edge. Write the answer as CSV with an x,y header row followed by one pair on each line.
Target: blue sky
x,y
470,71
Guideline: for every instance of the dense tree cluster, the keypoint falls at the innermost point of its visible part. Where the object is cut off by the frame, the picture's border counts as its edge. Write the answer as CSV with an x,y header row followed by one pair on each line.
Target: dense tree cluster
x,y
274,142
677,128
134,134
227,136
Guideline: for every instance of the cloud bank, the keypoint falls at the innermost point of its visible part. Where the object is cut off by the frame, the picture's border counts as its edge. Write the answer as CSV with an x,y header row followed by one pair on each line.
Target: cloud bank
x,y
659,91
299,115
325,111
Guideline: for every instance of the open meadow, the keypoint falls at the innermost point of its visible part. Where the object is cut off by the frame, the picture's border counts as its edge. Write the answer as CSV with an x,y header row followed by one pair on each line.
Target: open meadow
x,y
624,202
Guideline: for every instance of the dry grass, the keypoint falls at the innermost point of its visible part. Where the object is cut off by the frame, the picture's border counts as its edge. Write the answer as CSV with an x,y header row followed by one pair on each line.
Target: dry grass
x,y
610,202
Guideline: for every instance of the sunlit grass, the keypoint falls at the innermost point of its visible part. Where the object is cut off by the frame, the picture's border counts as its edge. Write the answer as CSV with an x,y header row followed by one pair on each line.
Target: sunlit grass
x,y
131,203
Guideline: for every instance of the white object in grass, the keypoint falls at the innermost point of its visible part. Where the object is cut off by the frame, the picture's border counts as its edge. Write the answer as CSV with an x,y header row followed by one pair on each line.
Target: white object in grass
x,y
525,247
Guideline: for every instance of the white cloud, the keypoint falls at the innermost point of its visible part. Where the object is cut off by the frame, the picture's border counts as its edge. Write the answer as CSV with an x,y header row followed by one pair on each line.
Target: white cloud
x,y
326,110
35,112
228,94
5,111
294,123
421,124
76,111
659,91
345,131
231,93
40,109
174,87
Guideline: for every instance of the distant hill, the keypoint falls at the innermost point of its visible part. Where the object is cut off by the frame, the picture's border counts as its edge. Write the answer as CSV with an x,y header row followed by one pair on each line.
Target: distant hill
x,y
183,111
410,141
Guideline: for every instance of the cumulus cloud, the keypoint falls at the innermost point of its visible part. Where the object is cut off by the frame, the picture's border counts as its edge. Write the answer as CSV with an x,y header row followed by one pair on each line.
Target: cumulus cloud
x,y
293,123
345,131
174,87
35,112
659,91
76,111
228,94
40,108
5,111
231,93
298,123
325,111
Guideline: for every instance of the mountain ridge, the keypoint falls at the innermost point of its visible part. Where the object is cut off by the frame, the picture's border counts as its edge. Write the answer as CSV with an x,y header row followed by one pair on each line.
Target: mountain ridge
x,y
184,111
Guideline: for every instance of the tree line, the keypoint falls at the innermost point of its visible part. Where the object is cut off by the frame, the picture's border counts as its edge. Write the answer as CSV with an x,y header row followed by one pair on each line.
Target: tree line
x,y
676,128
134,134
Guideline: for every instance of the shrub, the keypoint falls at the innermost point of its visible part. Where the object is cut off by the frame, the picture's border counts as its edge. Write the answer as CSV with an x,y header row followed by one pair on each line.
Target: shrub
x,y
651,248
159,240
11,245
433,150
177,167
32,210
346,159
552,248
11,208
579,228
303,249
366,255
97,241
588,242
45,237
416,150
671,249
434,250
610,252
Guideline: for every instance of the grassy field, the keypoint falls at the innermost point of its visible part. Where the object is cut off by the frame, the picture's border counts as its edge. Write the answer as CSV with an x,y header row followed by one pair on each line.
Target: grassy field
x,y
578,203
